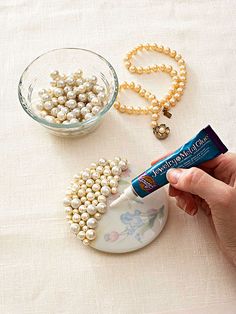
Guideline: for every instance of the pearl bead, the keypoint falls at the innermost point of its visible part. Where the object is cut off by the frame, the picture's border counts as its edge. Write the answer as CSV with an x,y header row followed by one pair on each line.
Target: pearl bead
x,y
89,106
162,130
99,169
71,95
90,196
75,228
102,199
82,223
88,86
85,228
48,105
85,175
94,202
123,165
54,112
70,116
82,97
95,175
86,242
113,183
95,101
92,223
85,216
76,218
76,112
61,116
112,164
70,80
54,74
101,208
89,182
91,209
101,96
102,162
105,190
107,172
60,83
104,182
67,89
97,89
155,116
91,234
96,187
84,111
81,235
75,211
71,104
96,110
58,92
83,199
81,192
50,119
87,203
82,208
68,209
66,201
75,203
97,194
98,216
68,217
88,116
116,170
114,190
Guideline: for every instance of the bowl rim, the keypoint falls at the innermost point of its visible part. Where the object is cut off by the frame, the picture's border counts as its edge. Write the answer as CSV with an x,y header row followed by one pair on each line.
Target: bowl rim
x,y
77,124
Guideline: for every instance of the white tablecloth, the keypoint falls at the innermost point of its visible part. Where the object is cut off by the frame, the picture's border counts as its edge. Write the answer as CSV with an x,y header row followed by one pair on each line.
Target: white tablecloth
x,y
42,269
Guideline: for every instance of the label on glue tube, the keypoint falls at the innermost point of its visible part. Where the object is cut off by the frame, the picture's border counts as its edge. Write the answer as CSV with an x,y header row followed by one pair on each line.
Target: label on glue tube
x,y
205,146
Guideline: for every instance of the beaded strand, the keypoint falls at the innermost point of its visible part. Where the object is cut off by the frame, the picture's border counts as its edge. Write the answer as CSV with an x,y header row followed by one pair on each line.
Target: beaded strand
x,y
174,94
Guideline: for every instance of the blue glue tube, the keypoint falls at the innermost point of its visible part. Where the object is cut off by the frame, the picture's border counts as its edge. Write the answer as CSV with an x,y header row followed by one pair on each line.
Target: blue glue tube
x,y
205,146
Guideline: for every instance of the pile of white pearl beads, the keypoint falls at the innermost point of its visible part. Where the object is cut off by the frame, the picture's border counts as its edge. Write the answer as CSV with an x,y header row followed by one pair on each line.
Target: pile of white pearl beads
x,y
72,98
86,198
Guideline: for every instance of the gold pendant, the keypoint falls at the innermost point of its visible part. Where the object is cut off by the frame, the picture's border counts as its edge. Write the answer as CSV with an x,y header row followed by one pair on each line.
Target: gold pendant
x,y
161,131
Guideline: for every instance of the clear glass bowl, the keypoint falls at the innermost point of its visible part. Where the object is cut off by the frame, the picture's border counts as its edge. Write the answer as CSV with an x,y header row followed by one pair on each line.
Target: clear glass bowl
x,y
67,60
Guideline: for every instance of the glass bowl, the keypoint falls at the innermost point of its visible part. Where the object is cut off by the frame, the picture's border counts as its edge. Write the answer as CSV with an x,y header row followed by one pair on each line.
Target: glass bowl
x,y
67,60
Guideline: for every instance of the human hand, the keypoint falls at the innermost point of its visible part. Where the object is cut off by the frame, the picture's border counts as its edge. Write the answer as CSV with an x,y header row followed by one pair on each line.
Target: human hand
x,y
211,187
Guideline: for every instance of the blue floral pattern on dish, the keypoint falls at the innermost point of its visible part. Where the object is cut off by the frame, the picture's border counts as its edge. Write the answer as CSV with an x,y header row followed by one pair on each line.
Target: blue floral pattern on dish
x,y
136,223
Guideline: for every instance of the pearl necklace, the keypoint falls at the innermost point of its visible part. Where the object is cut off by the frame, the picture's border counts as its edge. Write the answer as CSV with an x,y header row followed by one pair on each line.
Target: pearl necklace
x,y
86,197
156,106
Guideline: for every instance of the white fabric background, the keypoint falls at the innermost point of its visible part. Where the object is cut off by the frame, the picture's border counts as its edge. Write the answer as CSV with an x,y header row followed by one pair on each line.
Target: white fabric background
x,y
42,269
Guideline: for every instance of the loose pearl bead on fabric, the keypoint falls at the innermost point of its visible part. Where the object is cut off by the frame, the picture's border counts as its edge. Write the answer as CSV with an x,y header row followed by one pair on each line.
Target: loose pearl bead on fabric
x,y
86,198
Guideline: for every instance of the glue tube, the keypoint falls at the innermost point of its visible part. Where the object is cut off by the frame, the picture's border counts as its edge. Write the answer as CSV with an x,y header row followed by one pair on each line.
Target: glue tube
x,y
205,146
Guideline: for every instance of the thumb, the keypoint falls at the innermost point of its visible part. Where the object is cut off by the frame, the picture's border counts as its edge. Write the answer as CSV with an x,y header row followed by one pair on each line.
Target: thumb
x,y
198,182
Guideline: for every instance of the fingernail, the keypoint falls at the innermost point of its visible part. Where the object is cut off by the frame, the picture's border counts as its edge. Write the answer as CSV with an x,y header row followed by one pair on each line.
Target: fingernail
x,y
193,211
173,175
180,202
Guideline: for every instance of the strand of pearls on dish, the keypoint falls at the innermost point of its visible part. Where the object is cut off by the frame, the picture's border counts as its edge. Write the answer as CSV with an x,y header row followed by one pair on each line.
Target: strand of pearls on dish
x,y
72,98
174,94
86,198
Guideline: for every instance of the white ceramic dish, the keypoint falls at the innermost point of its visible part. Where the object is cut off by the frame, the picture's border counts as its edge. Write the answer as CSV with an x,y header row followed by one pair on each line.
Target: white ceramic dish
x,y
132,225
